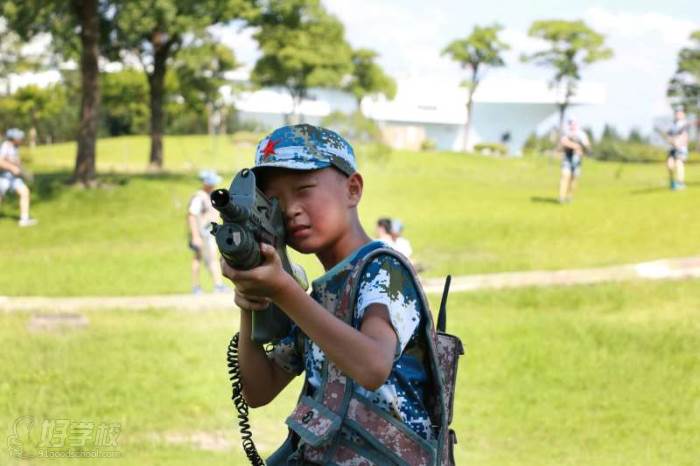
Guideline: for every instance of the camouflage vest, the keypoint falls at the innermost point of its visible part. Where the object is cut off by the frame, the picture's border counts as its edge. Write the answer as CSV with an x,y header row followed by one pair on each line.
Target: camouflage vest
x,y
340,427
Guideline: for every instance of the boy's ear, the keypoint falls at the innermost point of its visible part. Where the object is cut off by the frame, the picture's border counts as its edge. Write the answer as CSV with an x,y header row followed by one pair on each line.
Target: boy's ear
x,y
355,185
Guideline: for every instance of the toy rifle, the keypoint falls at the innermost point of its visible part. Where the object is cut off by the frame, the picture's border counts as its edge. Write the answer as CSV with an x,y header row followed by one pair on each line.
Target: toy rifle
x,y
250,218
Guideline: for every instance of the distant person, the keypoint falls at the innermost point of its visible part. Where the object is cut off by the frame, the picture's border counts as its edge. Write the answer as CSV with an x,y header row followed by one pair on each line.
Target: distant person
x,y
401,244
200,214
383,231
677,137
11,174
575,144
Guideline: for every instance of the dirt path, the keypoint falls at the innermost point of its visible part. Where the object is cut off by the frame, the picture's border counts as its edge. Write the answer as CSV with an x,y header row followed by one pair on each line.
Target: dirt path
x,y
664,269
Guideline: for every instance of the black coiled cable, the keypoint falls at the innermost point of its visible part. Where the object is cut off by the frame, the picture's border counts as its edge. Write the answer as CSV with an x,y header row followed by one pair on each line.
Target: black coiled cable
x,y
240,404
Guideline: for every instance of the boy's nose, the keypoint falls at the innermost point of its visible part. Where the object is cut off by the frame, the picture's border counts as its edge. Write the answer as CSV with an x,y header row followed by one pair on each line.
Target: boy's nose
x,y
291,210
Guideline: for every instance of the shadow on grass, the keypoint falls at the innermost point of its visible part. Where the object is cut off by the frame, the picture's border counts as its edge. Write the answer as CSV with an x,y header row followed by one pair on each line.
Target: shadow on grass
x,y
658,189
544,200
7,216
48,185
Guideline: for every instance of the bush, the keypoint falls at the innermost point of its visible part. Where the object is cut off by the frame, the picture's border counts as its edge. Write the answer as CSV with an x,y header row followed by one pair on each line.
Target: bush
x,y
491,148
539,144
428,145
621,151
355,127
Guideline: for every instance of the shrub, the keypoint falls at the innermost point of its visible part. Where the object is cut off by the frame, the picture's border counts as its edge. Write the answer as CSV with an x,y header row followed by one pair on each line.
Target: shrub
x,y
621,151
539,144
355,127
491,148
428,145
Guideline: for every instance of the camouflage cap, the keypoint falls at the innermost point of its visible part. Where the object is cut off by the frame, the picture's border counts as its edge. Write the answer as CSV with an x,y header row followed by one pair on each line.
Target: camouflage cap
x,y
305,147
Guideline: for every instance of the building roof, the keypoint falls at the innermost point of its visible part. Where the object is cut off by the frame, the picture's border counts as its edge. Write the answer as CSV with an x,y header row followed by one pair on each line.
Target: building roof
x,y
421,100
436,101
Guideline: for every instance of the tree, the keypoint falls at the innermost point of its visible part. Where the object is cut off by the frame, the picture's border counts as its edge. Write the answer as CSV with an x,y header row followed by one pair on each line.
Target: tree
x,y
480,49
368,78
36,106
611,134
684,86
572,46
125,102
302,46
200,73
155,34
62,19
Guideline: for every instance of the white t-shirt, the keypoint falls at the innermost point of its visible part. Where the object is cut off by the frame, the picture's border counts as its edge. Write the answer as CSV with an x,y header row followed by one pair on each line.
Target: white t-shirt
x,y
202,210
9,152
403,245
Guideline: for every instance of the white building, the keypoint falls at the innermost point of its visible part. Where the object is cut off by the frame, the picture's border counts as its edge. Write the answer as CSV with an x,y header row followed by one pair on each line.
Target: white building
x,y
430,110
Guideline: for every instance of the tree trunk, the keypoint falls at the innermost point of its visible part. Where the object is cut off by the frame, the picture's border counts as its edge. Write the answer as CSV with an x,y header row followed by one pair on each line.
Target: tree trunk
x,y
210,119
156,81
468,123
295,117
84,171
562,114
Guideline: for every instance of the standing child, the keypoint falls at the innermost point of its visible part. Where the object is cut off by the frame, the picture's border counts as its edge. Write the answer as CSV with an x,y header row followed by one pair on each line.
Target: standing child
x,y
200,214
575,143
362,337
11,174
677,137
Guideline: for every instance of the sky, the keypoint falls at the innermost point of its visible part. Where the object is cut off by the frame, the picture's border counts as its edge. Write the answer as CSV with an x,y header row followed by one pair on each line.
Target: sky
x,y
409,35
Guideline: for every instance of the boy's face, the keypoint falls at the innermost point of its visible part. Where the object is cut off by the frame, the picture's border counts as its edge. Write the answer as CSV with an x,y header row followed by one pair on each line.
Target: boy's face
x,y
317,204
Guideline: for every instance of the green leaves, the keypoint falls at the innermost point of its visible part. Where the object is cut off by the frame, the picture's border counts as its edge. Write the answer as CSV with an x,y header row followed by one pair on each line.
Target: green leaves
x,y
572,44
480,48
684,86
302,46
368,77
200,72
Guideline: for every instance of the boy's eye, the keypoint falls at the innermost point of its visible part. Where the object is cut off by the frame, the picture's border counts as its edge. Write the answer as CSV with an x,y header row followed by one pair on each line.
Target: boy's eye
x,y
306,186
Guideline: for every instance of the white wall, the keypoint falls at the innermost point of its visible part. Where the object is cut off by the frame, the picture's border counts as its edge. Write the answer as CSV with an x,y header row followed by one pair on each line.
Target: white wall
x,y
491,120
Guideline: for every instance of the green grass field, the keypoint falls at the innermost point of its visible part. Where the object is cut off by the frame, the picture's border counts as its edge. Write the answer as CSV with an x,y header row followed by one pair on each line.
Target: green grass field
x,y
597,375
464,214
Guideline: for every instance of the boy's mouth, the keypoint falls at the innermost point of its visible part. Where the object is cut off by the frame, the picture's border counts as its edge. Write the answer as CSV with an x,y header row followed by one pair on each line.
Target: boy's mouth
x,y
298,230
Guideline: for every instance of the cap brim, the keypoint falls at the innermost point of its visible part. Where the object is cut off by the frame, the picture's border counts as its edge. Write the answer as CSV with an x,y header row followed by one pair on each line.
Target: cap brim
x,y
292,166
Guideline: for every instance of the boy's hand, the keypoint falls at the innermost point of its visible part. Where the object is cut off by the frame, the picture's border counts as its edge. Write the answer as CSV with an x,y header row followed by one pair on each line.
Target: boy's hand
x,y
250,303
262,284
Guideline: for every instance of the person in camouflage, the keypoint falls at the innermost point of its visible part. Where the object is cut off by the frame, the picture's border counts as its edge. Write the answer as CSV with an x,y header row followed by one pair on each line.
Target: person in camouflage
x,y
363,338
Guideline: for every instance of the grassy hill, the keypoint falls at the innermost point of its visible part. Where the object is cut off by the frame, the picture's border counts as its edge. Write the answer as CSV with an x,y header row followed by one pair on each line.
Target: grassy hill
x,y
463,214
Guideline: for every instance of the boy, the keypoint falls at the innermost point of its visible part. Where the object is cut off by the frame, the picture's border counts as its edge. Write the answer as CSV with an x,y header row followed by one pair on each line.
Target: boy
x,y
380,348
383,231
200,214
401,244
11,174
677,137
575,142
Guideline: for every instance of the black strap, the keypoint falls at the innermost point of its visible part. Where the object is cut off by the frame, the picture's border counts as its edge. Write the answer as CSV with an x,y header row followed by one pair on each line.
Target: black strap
x,y
442,315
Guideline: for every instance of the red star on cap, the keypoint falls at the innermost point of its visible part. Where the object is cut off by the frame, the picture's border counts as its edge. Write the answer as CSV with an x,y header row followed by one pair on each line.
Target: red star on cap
x,y
269,148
